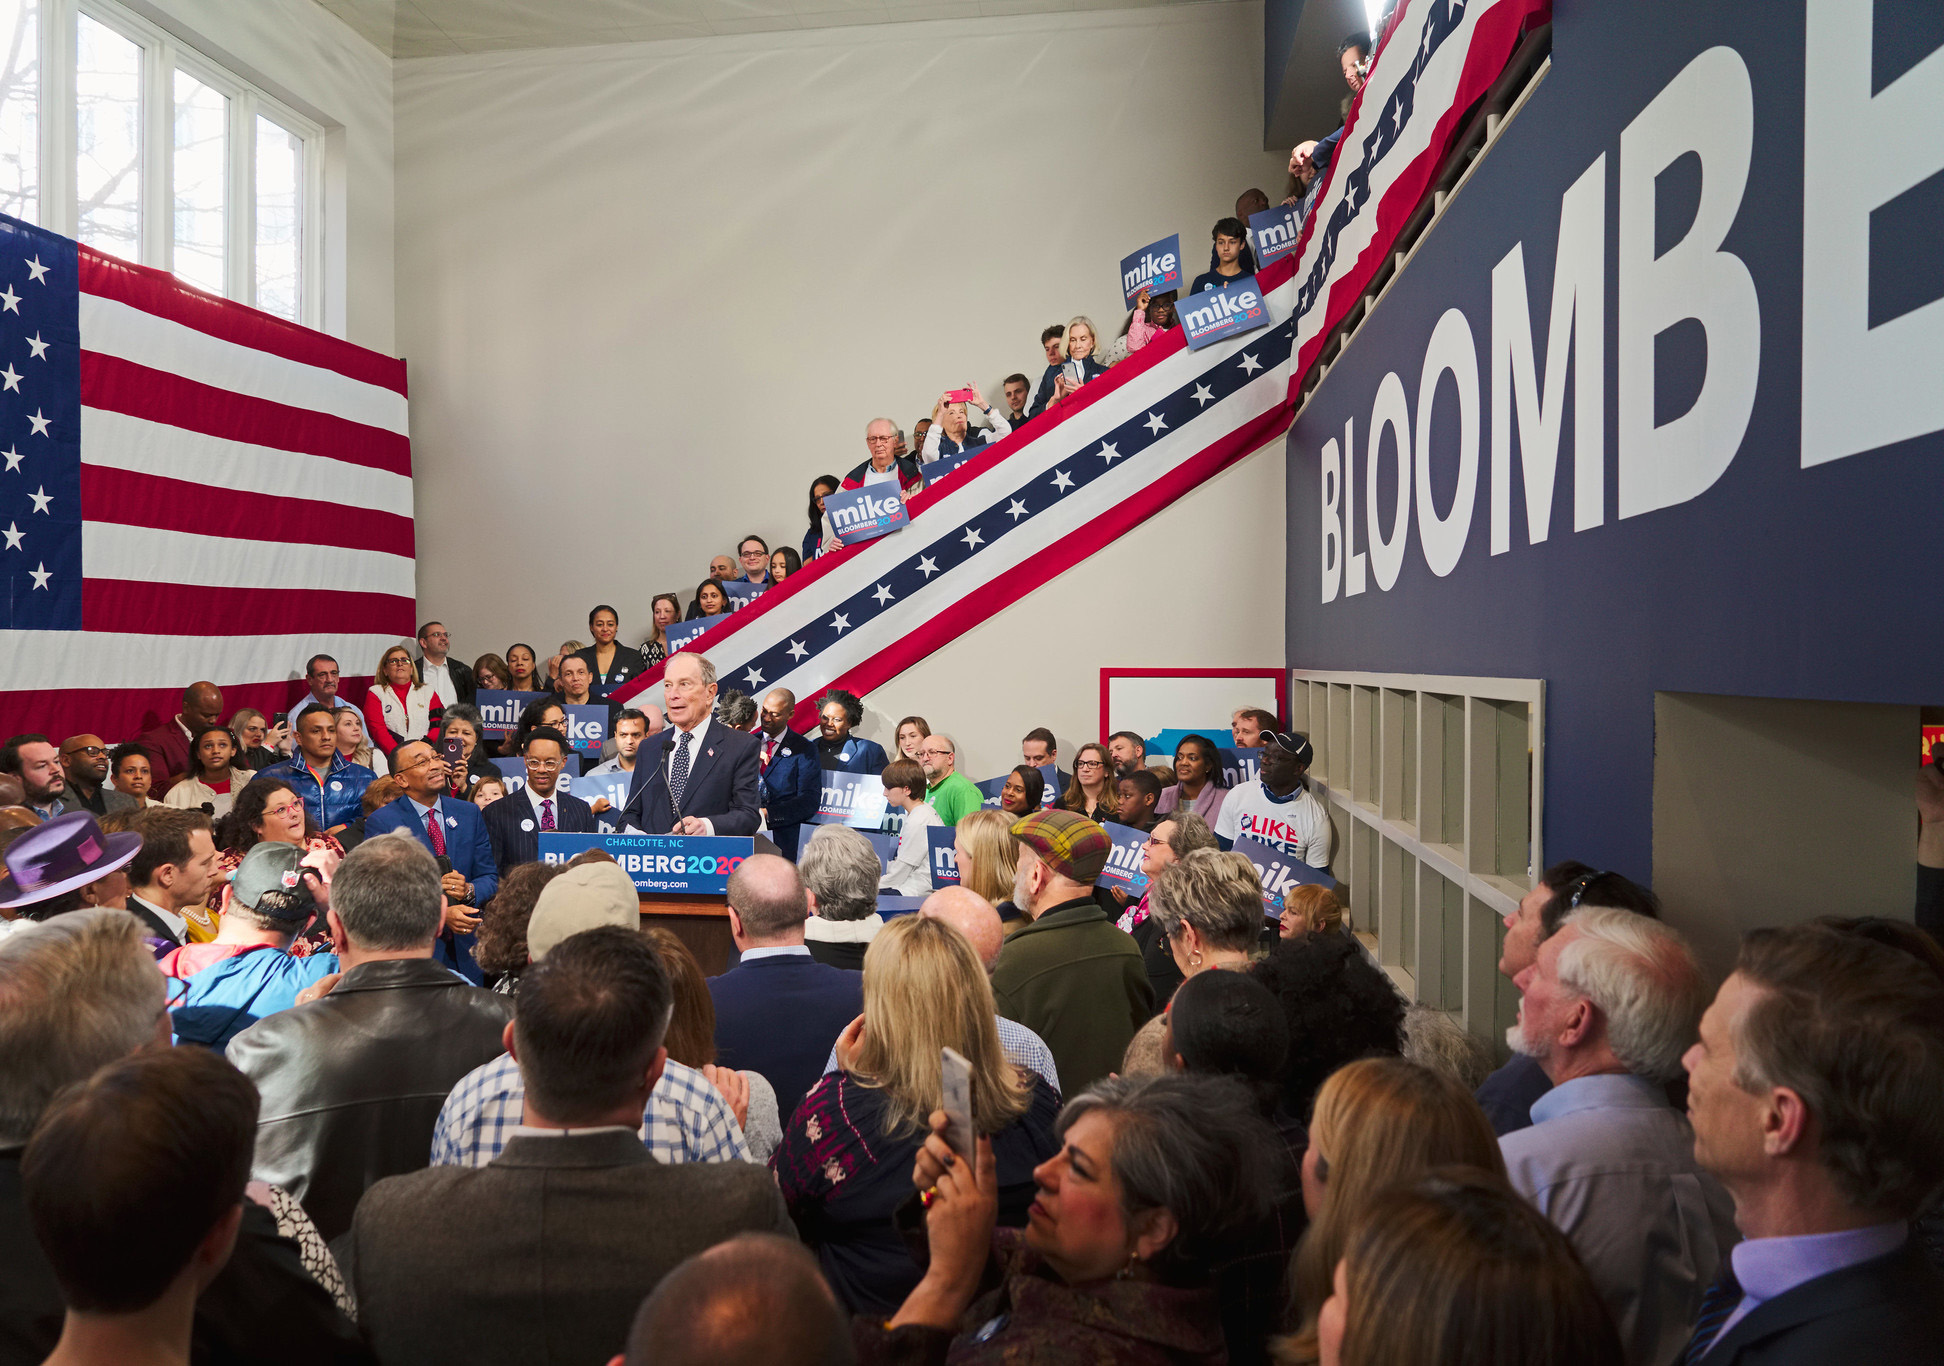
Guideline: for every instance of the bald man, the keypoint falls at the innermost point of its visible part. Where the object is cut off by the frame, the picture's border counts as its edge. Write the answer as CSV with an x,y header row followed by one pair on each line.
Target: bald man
x,y
792,781
168,743
756,1300
84,759
975,918
778,1010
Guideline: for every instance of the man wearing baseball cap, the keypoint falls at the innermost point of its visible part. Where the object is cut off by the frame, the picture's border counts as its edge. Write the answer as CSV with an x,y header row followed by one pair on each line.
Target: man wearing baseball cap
x,y
1277,807
1071,976
246,972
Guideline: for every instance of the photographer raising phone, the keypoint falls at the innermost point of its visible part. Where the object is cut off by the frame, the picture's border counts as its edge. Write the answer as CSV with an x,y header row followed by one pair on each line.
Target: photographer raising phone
x,y
950,433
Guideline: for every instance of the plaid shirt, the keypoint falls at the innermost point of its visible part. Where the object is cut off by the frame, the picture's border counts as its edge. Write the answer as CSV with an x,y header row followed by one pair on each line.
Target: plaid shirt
x,y
687,1119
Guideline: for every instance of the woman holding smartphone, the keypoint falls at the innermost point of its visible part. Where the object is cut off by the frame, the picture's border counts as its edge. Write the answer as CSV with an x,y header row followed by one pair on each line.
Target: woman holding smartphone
x,y
1079,367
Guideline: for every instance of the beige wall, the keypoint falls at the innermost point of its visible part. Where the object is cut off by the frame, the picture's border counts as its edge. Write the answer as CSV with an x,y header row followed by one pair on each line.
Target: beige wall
x,y
312,61
1771,812
647,292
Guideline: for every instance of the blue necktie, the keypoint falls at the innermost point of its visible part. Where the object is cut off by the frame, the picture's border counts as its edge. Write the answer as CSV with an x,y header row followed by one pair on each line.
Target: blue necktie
x,y
679,769
1717,1304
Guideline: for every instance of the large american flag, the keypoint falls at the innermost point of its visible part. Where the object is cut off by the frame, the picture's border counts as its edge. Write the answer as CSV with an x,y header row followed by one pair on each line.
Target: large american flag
x,y
189,489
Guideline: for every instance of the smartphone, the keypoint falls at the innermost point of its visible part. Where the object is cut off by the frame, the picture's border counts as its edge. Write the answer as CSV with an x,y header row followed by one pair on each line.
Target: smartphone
x,y
282,718
1075,372
454,751
956,1074
958,396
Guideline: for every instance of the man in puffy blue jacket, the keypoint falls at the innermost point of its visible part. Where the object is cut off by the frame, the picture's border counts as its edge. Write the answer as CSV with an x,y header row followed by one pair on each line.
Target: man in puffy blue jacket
x,y
331,785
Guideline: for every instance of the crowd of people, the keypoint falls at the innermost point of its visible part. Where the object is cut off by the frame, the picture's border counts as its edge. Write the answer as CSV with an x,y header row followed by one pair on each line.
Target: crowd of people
x,y
432,1099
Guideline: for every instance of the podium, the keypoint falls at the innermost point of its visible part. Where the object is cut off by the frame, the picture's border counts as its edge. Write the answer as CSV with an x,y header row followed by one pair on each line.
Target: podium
x,y
682,882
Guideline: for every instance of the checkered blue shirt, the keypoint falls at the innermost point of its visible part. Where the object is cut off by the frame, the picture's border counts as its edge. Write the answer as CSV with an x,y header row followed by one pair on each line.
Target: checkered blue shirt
x,y
1022,1047
687,1119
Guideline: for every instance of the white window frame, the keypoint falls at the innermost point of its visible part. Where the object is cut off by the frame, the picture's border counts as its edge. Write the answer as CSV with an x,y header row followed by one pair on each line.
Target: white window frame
x,y
162,54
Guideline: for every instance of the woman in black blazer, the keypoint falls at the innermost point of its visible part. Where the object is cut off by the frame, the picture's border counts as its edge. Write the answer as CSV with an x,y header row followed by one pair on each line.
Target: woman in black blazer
x,y
612,664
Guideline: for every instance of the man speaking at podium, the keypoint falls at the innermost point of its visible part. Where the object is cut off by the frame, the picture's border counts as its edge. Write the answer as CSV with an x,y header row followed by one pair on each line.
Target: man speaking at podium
x,y
698,777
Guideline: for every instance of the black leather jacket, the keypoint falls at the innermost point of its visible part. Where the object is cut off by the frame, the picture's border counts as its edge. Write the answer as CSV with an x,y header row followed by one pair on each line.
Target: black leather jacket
x,y
352,1084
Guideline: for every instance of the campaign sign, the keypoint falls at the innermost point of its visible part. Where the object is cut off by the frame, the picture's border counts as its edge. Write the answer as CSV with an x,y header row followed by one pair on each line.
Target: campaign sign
x,y
936,472
1217,313
992,787
499,710
886,844
697,864
1240,766
514,771
1279,872
682,632
865,514
853,799
891,905
943,840
1155,268
587,728
614,786
1123,868
1273,232
742,592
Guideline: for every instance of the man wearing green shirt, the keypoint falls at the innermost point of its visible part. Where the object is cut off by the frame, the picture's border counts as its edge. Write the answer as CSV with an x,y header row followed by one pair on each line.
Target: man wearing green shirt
x,y
951,794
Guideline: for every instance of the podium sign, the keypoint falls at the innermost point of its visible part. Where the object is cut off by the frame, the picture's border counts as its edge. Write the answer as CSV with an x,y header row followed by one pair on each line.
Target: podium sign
x,y
695,864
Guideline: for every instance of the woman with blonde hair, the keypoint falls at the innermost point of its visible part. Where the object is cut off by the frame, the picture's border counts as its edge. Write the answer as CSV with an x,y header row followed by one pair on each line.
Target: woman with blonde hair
x,y
355,745
845,1162
1091,792
1082,339
690,1039
911,734
987,858
1311,909
1377,1122
398,707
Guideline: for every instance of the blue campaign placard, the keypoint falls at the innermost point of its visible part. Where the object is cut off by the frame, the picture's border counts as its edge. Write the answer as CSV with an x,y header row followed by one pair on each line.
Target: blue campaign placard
x,y
742,592
1279,872
587,728
1123,868
853,799
1273,232
886,844
867,513
936,472
889,904
499,710
1049,774
1217,313
1240,766
614,786
1155,268
698,864
682,632
943,840
989,790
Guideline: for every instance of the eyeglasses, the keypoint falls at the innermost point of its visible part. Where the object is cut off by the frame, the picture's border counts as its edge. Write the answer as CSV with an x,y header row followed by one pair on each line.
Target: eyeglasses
x,y
1088,763
86,749
287,809
543,764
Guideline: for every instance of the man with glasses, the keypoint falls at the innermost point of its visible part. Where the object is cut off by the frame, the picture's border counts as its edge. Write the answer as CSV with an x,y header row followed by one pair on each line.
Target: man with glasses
x,y
321,673
84,762
950,793
791,782
754,553
884,466
516,824
455,832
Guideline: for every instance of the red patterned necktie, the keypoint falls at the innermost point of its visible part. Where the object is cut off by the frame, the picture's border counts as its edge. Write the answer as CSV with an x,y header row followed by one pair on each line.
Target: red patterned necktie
x,y
437,834
769,752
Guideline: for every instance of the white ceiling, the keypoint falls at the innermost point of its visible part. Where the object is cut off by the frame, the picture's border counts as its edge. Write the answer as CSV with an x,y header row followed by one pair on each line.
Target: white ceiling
x,y
438,28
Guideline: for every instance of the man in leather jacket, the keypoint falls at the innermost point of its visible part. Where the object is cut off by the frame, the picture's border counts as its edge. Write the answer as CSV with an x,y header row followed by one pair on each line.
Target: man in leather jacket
x,y
352,1083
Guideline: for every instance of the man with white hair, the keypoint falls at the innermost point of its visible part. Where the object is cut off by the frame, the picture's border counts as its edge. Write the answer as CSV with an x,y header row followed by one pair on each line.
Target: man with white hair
x,y
1607,1008
884,466
840,870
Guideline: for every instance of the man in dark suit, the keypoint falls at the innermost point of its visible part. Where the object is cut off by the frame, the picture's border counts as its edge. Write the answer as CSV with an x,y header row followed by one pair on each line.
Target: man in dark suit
x,y
454,831
792,784
1813,1093
538,806
710,770
562,1235
169,880
778,1011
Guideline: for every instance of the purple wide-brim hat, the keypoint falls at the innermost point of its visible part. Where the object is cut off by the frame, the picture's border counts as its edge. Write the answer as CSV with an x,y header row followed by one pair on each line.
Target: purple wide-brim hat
x,y
60,855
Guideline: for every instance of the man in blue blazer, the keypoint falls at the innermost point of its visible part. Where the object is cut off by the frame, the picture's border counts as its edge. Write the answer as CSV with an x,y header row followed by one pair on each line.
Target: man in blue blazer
x,y
792,784
454,831
712,769
778,1011
838,751
515,821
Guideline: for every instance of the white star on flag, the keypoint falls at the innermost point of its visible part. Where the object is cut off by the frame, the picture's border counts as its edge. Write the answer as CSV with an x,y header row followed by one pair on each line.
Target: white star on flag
x,y
42,499
972,538
1203,395
1062,480
9,378
883,595
840,623
41,576
927,566
13,534
1017,510
9,300
36,272
1156,423
39,347
1250,365
755,677
1107,452
39,423
12,457
796,650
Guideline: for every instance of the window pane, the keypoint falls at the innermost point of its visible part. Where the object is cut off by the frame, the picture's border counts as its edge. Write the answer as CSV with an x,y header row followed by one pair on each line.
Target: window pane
x,y
279,211
20,109
201,164
108,139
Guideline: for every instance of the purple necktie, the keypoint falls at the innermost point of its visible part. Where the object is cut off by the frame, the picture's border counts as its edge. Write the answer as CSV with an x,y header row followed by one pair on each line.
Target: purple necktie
x,y
546,813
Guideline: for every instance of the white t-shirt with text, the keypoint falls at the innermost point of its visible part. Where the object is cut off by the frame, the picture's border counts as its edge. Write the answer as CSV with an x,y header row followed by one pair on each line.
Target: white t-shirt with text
x,y
1298,824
